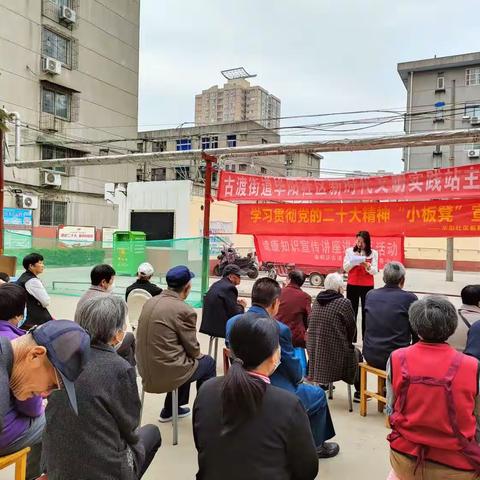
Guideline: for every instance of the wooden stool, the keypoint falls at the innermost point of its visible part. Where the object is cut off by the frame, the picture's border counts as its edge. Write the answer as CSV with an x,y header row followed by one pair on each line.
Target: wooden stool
x,y
365,394
19,459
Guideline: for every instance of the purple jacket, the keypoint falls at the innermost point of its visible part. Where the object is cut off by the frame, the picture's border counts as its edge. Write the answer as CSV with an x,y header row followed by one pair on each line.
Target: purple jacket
x,y
17,418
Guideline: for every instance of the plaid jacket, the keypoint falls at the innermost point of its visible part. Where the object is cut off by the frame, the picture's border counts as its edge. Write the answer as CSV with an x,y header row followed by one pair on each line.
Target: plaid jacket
x,y
331,329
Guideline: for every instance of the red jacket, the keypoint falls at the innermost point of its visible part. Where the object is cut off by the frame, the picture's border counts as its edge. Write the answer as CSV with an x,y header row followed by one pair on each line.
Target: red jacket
x,y
435,388
295,307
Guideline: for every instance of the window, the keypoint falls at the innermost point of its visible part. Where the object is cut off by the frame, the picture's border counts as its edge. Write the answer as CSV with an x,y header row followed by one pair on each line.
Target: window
x,y
160,146
63,3
50,152
309,174
140,175
440,87
56,46
472,146
140,147
472,111
439,114
214,142
264,140
231,140
472,76
242,167
159,174
56,103
184,144
182,173
53,213
309,161
263,170
230,168
205,143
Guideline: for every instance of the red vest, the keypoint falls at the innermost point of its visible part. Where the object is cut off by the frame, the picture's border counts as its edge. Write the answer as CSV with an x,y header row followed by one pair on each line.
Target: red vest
x,y
359,276
433,415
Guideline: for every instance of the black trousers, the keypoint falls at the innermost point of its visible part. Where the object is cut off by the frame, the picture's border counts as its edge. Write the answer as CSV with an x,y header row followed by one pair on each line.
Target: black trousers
x,y
151,440
206,369
355,293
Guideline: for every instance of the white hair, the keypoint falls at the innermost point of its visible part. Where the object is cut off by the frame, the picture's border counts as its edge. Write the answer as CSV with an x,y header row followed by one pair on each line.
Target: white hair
x,y
334,281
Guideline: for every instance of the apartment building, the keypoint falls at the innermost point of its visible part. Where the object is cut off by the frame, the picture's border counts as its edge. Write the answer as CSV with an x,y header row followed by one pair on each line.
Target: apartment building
x,y
229,134
236,101
70,69
443,93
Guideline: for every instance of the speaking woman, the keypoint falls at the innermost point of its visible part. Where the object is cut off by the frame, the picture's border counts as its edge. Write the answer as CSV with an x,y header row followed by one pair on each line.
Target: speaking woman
x,y
361,264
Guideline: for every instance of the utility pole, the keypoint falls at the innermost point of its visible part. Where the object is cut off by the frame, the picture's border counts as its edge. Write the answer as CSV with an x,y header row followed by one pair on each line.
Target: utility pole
x,y
451,161
210,160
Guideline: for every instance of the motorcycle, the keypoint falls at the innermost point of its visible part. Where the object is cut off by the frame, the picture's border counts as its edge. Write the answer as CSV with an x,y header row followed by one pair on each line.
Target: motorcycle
x,y
248,265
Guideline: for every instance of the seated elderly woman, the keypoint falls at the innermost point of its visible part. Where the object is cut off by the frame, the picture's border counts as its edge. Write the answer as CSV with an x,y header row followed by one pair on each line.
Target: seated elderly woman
x,y
245,428
432,398
331,332
104,440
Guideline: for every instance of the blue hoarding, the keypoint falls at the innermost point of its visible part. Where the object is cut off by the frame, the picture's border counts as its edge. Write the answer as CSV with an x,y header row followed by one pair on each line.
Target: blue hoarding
x,y
17,216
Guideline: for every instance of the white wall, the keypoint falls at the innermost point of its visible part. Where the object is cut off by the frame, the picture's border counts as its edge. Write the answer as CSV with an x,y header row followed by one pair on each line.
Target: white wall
x,y
170,196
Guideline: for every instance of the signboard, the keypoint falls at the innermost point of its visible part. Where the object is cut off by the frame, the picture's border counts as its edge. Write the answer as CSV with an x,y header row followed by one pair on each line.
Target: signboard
x,y
217,238
18,239
76,235
107,237
18,216
322,251
456,218
441,183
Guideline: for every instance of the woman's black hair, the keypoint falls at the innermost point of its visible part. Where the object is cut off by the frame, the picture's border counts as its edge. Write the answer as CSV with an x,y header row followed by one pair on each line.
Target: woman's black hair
x,y
368,242
252,341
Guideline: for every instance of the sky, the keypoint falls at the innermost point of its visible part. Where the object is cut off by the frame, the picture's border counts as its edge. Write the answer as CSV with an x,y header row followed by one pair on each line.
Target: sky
x,y
317,56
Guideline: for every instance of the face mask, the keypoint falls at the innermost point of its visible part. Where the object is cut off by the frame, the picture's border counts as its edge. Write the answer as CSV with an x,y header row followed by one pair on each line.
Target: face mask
x,y
119,344
22,321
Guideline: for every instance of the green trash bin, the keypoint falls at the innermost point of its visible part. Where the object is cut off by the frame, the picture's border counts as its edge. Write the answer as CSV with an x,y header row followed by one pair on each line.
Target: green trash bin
x,y
128,252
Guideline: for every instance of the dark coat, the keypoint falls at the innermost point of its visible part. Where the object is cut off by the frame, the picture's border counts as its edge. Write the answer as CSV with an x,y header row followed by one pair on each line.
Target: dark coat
x,y
387,323
101,442
219,305
143,284
295,307
331,330
268,446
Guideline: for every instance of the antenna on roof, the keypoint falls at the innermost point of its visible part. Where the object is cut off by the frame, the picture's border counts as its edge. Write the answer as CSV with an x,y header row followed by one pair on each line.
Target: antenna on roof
x,y
236,73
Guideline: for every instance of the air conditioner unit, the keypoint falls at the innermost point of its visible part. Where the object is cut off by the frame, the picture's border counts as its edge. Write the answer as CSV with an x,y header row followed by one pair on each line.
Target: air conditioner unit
x,y
475,121
68,15
50,65
473,153
52,179
27,201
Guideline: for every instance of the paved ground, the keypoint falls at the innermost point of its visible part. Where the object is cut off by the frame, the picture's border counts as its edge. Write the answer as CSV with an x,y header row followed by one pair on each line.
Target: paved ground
x,y
364,450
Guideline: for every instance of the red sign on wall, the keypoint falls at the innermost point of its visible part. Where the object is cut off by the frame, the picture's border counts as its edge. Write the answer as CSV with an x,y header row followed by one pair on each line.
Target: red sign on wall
x,y
456,218
322,251
457,182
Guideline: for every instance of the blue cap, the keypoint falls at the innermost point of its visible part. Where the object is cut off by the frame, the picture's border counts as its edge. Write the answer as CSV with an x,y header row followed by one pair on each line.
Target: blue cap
x,y
68,349
179,276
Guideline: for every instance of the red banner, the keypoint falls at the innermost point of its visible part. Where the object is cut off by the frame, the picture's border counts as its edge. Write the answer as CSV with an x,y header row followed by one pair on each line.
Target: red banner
x,y
457,182
457,218
322,251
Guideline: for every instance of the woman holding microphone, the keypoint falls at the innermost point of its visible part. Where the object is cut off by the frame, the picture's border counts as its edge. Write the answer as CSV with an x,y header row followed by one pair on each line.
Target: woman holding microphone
x,y
361,264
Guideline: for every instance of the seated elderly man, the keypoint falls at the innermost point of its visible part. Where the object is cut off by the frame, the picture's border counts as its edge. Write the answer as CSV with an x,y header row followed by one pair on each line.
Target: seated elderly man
x,y
288,375
386,317
49,357
295,307
468,313
105,440
168,351
144,275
